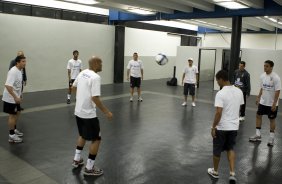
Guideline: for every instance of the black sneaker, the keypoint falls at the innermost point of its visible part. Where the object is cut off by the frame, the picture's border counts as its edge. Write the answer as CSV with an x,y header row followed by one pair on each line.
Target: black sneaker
x,y
68,101
93,172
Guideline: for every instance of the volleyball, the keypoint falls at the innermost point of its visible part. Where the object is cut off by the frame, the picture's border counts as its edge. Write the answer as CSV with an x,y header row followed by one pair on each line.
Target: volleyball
x,y
161,59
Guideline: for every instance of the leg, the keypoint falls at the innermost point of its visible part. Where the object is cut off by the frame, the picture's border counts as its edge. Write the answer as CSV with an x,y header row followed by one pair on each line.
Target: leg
x,y
139,92
231,160
193,98
94,147
77,160
216,160
272,125
243,107
258,121
12,121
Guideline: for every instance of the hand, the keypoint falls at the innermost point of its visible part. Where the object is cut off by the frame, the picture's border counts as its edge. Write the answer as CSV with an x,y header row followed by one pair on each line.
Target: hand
x,y
273,108
109,115
24,83
18,100
213,134
257,101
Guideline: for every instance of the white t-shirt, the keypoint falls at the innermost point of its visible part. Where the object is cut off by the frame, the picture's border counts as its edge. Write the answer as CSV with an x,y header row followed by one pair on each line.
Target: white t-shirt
x,y
14,79
269,84
135,68
230,98
88,84
75,66
190,74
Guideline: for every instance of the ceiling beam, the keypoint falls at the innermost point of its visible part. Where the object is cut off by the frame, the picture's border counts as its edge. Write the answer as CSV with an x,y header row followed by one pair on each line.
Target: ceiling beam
x,y
172,5
202,5
266,21
203,25
141,4
278,2
254,3
255,22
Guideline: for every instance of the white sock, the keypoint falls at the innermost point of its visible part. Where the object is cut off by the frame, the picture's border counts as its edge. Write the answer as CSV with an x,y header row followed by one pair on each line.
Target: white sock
x,y
272,135
258,132
232,173
90,164
69,96
77,155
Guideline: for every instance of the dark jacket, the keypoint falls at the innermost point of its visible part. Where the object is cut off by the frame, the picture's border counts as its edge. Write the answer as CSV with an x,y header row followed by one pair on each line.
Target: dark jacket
x,y
241,79
12,64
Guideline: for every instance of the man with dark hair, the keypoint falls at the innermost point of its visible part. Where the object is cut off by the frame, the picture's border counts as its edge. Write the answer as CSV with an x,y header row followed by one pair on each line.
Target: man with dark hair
x,y
12,98
135,71
13,63
74,67
267,101
88,84
241,79
226,123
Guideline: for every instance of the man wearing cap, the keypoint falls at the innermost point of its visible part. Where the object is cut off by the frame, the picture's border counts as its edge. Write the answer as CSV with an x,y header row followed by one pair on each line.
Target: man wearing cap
x,y
189,79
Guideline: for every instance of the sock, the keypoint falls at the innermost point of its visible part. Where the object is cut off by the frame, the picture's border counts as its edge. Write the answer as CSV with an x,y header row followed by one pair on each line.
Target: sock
x,y
272,135
69,96
232,173
90,164
12,132
77,153
258,131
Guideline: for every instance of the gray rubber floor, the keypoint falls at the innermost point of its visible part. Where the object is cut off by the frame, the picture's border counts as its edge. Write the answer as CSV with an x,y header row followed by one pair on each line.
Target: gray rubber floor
x,y
156,141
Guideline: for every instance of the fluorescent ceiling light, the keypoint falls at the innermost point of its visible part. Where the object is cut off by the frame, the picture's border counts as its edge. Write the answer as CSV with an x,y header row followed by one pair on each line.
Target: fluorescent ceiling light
x,y
173,24
88,2
64,5
141,11
231,4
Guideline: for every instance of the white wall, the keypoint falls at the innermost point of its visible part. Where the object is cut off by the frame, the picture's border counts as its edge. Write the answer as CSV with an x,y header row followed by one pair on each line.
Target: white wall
x,y
254,59
148,44
252,41
48,45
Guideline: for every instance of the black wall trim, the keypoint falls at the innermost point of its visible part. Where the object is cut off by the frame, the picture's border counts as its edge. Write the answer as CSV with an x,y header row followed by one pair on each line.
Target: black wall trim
x,y
119,54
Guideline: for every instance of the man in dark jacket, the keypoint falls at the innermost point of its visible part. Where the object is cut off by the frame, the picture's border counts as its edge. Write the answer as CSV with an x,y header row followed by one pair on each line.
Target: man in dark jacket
x,y
241,80
13,63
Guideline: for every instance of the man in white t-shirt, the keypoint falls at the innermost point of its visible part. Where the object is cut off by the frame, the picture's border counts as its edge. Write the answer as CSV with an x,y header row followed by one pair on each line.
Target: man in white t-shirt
x,y
135,71
226,123
267,101
12,98
74,66
190,79
88,92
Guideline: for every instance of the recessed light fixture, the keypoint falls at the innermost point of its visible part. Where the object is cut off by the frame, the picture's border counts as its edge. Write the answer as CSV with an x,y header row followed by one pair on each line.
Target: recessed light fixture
x,y
89,2
231,4
141,11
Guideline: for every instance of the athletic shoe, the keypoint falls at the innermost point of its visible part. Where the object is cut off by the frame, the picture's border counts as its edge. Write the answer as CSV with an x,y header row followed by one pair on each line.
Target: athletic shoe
x,y
93,172
232,179
18,133
242,118
213,173
270,141
184,104
76,164
193,104
140,99
131,99
255,138
68,101
15,139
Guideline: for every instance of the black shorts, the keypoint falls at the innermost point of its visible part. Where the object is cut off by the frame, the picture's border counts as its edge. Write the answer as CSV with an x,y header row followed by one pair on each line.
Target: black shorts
x,y
266,110
189,88
11,108
224,141
88,129
135,82
71,82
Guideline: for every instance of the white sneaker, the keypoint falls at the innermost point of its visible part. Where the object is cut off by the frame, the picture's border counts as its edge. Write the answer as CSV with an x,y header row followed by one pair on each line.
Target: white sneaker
x,y
270,141
140,99
184,103
213,173
241,118
15,139
131,99
193,104
18,133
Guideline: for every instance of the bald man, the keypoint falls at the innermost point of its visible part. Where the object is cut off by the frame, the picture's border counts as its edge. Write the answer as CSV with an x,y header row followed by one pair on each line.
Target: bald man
x,y
88,92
